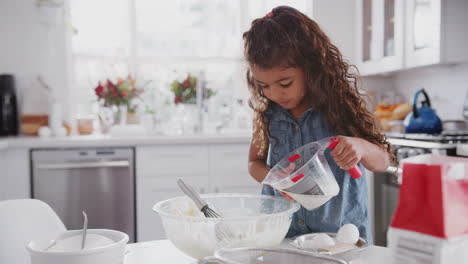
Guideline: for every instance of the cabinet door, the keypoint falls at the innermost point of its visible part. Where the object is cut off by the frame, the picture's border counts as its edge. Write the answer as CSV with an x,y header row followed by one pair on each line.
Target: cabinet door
x,y
149,224
158,168
15,176
423,31
229,168
170,162
149,193
379,36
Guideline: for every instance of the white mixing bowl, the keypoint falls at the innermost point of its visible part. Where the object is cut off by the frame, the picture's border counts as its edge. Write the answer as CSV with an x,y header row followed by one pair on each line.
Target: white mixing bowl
x,y
112,253
254,221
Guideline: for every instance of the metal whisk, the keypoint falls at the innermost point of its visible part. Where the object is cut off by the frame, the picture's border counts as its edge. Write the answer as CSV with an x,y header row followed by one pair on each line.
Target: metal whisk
x,y
222,231
202,205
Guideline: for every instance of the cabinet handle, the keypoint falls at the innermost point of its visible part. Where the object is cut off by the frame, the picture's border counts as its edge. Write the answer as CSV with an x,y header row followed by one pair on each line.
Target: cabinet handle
x,y
216,190
202,190
79,165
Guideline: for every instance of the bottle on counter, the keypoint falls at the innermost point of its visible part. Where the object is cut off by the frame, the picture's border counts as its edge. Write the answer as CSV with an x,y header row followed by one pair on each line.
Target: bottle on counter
x,y
242,118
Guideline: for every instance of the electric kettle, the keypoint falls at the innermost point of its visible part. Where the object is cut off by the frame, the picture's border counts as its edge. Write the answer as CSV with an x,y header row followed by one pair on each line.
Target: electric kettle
x,y
423,119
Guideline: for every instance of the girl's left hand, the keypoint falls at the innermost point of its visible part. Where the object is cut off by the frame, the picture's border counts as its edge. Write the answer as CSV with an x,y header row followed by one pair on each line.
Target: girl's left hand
x,y
348,152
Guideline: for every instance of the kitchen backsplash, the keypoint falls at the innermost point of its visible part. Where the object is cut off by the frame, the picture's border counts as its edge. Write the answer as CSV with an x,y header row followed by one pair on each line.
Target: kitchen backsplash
x,y
447,86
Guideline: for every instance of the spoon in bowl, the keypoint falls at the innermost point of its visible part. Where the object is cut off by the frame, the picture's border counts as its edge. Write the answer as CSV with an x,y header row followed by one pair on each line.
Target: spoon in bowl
x,y
85,229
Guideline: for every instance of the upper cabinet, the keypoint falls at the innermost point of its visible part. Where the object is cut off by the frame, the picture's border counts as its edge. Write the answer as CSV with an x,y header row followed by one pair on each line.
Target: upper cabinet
x,y
394,34
435,32
379,26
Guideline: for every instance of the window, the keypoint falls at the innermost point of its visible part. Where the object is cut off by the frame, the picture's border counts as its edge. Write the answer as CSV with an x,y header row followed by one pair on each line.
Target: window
x,y
160,41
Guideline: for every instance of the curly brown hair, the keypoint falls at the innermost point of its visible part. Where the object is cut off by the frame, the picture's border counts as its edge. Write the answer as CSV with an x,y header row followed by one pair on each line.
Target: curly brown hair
x,y
286,37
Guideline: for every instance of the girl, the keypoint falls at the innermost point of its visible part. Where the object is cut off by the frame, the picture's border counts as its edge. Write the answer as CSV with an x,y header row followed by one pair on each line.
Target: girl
x,y
301,91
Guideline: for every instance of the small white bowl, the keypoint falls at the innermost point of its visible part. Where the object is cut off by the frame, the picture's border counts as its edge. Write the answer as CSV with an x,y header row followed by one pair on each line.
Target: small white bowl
x,y
108,254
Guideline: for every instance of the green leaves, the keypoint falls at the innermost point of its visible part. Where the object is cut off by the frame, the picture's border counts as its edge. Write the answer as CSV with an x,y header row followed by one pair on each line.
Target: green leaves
x,y
120,93
186,91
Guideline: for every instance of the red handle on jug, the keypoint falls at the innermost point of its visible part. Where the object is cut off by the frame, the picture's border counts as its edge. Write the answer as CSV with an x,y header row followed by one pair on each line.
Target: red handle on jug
x,y
355,171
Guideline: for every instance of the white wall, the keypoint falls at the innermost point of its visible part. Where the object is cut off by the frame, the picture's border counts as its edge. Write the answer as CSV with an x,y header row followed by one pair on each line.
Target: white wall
x,y
447,87
28,47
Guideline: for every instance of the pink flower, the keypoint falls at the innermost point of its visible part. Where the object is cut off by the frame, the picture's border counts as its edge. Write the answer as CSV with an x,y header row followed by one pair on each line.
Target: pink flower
x,y
186,84
99,90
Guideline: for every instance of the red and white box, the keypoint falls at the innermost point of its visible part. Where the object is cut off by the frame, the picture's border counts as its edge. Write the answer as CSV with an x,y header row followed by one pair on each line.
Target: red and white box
x,y
430,224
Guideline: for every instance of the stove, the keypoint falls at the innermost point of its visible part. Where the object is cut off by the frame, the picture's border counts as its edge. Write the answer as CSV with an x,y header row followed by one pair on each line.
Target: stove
x,y
447,137
450,143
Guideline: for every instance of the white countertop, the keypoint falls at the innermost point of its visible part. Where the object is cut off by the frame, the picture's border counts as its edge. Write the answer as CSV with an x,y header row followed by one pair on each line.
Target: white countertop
x,y
163,251
107,141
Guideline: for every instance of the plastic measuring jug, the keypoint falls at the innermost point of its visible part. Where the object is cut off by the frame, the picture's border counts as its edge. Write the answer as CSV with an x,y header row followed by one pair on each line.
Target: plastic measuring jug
x,y
306,176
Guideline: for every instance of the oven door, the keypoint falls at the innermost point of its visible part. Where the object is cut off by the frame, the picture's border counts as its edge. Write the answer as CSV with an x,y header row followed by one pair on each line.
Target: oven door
x,y
102,185
386,189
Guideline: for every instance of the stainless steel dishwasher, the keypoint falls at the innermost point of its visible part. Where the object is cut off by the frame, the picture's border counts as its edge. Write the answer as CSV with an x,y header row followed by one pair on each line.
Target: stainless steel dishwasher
x,y
99,181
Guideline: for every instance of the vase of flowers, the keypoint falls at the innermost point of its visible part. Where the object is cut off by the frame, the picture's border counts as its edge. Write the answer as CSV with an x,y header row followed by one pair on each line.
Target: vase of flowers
x,y
185,99
115,100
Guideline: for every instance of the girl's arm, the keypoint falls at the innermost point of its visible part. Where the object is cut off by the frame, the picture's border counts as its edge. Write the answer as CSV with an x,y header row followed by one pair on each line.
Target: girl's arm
x,y
257,166
351,150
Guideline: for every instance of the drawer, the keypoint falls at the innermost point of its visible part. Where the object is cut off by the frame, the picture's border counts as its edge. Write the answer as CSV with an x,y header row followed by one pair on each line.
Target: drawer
x,y
173,161
229,165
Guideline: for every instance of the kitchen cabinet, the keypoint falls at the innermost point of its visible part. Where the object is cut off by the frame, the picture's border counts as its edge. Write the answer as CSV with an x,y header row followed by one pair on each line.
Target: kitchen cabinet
x,y
157,170
435,32
149,224
379,36
392,35
172,161
14,176
210,168
229,171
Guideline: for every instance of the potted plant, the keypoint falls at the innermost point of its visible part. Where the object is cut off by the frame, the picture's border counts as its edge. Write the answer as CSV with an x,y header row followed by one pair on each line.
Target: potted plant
x,y
185,98
116,100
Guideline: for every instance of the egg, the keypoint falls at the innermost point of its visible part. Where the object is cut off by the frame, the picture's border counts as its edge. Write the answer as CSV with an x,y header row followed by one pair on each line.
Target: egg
x,y
318,241
348,234
44,132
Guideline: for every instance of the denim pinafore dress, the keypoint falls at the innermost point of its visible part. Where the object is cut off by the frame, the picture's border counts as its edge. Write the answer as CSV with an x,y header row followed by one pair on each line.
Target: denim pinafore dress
x,y
351,203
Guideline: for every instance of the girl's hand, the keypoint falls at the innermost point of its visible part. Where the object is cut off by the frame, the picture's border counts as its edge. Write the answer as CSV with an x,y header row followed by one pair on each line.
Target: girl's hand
x,y
287,196
285,173
348,152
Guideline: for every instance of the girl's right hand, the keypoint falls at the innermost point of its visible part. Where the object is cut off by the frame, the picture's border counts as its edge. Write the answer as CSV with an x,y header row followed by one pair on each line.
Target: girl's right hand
x,y
287,196
286,172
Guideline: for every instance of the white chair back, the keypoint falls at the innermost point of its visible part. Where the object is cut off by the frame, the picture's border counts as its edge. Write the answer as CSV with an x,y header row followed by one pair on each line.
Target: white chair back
x,y
22,221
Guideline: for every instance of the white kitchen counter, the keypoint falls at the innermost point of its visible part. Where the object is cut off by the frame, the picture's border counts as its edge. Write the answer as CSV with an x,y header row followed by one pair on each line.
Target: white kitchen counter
x,y
163,251
108,141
